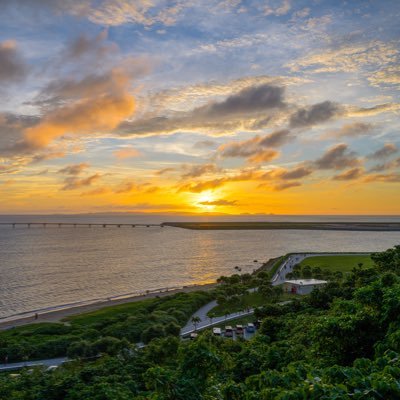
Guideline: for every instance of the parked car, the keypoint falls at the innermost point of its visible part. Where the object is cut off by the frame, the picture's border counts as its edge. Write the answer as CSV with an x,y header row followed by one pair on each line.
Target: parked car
x,y
257,323
239,329
228,331
217,331
250,328
193,335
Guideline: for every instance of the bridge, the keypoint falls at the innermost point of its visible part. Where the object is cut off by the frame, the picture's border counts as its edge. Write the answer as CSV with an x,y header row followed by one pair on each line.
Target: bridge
x,y
78,224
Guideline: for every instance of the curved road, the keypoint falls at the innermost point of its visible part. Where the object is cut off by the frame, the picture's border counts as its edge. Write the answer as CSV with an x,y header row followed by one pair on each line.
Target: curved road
x,y
206,322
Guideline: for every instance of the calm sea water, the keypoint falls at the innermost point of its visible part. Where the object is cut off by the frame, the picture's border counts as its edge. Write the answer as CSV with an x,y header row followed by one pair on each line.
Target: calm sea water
x,y
45,268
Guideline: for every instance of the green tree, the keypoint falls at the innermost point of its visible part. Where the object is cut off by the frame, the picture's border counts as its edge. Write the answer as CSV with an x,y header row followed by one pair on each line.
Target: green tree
x,y
195,321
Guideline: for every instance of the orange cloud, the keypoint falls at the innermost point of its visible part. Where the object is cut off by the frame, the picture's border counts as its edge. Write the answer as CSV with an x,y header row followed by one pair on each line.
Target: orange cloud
x,y
257,149
73,182
82,117
264,156
278,179
349,175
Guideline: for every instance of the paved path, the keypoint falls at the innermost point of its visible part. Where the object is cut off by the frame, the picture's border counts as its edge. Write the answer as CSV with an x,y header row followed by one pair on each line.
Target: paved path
x,y
206,322
294,259
46,363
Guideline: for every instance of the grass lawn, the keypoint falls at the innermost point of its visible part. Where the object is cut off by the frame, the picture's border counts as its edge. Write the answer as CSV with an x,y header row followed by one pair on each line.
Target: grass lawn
x,y
340,263
111,312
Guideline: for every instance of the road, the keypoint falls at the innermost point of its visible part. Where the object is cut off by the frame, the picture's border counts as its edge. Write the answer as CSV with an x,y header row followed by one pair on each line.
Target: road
x,y
46,363
206,322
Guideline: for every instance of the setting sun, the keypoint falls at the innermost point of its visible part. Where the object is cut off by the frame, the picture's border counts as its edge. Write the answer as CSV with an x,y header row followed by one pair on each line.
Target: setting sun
x,y
205,201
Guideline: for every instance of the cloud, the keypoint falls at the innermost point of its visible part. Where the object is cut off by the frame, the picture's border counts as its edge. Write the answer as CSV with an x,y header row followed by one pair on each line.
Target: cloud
x,y
337,157
386,151
389,76
165,171
12,67
348,58
201,186
8,169
239,110
315,114
75,169
179,98
350,174
248,100
74,182
282,9
129,186
96,192
277,138
390,178
353,129
304,12
82,117
352,111
126,187
11,129
285,185
37,158
126,152
386,166
264,156
277,179
294,173
256,149
87,47
195,171
204,144
220,202
112,12
81,101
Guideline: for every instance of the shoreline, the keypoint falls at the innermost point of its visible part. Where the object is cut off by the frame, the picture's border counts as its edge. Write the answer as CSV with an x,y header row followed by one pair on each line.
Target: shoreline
x,y
57,315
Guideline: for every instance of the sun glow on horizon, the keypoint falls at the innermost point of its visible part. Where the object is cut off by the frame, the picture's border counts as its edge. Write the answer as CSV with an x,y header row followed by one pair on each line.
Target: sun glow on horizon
x,y
204,201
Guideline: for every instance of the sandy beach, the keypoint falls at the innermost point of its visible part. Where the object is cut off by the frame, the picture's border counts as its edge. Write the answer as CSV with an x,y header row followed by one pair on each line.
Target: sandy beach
x,y
58,315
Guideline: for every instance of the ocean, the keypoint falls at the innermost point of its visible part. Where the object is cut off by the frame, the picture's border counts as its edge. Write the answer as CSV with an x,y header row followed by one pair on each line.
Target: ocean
x,y
45,268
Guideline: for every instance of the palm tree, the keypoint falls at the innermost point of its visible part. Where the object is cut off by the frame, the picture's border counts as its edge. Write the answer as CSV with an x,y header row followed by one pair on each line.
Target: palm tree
x,y
195,320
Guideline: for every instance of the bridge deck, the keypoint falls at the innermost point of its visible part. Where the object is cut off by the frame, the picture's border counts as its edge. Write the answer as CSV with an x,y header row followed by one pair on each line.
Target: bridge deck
x,y
75,224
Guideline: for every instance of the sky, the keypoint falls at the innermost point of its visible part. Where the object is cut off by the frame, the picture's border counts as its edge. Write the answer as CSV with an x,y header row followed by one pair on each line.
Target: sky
x,y
193,107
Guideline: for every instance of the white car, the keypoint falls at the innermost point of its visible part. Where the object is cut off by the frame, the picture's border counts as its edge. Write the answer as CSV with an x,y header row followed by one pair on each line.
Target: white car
x,y
217,331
